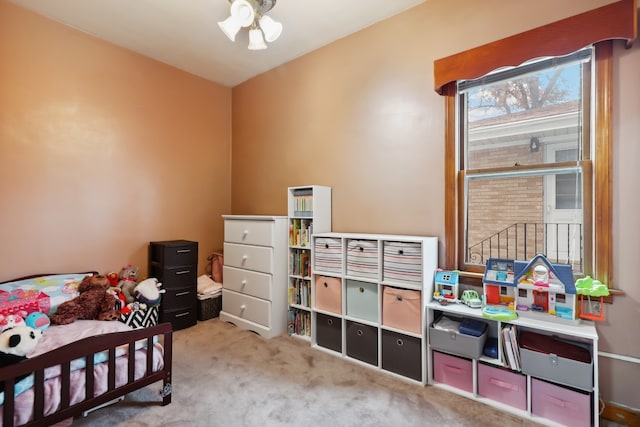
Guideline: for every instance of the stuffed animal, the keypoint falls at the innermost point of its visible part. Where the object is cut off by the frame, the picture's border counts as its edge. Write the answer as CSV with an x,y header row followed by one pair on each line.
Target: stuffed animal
x,y
15,344
37,320
148,292
12,320
128,280
93,303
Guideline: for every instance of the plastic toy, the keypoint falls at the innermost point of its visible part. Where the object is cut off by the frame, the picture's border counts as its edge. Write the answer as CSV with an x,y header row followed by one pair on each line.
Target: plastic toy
x,y
588,287
471,298
498,313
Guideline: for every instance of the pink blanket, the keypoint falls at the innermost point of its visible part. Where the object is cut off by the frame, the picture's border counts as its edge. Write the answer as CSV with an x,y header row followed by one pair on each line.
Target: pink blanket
x,y
60,335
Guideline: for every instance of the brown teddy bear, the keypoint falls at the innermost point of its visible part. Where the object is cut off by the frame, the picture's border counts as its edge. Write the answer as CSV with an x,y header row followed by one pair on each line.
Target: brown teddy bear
x,y
93,303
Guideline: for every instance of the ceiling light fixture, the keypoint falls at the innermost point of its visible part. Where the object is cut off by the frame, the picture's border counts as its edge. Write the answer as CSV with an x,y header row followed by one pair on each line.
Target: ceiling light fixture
x,y
251,13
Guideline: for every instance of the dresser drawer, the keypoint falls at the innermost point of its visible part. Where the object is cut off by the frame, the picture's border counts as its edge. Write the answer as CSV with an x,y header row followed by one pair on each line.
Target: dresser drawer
x,y
180,318
246,307
174,252
249,232
182,297
174,277
247,282
256,258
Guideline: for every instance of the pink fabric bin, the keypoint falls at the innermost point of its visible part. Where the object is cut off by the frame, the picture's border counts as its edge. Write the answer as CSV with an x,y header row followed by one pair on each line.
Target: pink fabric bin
x,y
454,371
502,386
560,404
329,294
402,309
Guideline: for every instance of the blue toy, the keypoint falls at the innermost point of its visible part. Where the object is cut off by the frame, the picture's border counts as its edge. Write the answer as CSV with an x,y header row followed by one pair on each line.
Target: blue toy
x,y
498,313
37,320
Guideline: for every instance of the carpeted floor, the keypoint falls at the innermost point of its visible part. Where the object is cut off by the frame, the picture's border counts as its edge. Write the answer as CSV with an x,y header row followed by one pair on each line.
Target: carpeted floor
x,y
225,376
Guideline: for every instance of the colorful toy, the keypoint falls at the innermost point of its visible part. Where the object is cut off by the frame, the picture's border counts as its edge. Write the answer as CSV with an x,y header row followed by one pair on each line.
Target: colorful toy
x,y
498,282
588,287
544,287
471,298
446,286
37,320
148,292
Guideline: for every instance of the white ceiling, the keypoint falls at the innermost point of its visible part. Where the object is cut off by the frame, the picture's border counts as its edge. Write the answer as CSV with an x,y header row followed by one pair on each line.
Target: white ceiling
x,y
185,33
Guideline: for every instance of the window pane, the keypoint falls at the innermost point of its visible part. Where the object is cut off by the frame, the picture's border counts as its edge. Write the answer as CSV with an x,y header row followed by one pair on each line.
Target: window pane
x,y
516,121
514,217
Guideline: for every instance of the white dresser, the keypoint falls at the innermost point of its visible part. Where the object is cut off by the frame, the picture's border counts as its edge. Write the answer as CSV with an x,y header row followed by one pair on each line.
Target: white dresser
x,y
254,294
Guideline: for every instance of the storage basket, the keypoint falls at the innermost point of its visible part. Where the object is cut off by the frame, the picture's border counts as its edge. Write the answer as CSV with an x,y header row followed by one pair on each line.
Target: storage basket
x,y
209,306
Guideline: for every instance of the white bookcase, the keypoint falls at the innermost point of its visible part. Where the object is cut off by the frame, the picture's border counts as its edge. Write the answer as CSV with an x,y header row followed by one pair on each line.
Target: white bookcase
x,y
546,387
309,211
368,297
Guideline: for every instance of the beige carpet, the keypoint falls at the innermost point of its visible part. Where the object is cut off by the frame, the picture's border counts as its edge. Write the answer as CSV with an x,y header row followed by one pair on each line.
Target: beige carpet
x,y
225,376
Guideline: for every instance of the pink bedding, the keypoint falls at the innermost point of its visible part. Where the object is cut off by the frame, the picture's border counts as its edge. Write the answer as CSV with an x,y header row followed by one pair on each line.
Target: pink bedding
x,y
57,336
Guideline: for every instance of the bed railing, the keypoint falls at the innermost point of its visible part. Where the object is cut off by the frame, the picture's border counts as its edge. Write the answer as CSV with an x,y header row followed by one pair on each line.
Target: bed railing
x,y
86,349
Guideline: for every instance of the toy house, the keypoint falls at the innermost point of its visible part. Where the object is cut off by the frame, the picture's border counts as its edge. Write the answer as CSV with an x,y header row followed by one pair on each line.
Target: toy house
x,y
545,287
446,285
498,282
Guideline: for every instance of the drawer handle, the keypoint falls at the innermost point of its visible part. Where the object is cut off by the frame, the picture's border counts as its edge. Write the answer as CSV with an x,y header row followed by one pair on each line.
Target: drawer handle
x,y
326,285
179,294
329,322
186,313
400,252
243,283
361,248
244,258
559,402
326,246
361,290
245,233
243,307
503,384
182,272
359,332
399,342
453,369
399,297
183,251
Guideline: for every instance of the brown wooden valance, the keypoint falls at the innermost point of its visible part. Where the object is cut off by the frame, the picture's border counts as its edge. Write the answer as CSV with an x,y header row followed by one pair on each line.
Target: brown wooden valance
x,y
617,20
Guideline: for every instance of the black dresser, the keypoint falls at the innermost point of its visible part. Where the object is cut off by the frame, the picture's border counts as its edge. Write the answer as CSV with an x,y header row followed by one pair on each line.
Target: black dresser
x,y
175,264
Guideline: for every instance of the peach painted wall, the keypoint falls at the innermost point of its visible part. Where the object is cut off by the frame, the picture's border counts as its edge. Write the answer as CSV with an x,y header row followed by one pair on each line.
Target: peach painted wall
x,y
103,150
361,116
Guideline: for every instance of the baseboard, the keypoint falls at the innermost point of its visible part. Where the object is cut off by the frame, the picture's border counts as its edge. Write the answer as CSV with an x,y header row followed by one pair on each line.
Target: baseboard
x,y
621,415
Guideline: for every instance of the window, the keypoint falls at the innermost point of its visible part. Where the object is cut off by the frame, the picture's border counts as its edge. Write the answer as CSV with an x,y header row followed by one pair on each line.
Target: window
x,y
524,146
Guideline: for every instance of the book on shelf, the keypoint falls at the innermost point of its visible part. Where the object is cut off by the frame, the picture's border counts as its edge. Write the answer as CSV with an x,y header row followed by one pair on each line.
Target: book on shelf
x,y
510,346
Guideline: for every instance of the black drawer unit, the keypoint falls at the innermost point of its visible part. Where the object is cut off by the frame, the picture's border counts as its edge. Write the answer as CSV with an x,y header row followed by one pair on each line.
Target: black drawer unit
x,y
175,264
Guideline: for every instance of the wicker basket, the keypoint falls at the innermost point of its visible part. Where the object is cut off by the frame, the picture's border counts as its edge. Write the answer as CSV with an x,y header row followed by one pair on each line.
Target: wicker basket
x,y
209,306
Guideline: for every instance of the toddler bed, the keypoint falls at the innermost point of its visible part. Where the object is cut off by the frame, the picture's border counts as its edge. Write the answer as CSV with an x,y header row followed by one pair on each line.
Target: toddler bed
x,y
79,366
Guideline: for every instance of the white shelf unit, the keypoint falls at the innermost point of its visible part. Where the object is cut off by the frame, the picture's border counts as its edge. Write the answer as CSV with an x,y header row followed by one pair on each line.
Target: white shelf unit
x,y
545,396
254,291
369,293
308,210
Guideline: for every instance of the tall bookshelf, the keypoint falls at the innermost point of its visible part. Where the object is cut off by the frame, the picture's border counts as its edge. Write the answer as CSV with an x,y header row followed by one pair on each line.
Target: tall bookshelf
x,y
309,211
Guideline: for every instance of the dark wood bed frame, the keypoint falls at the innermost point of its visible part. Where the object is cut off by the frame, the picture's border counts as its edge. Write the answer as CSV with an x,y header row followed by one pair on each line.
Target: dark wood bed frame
x,y
86,348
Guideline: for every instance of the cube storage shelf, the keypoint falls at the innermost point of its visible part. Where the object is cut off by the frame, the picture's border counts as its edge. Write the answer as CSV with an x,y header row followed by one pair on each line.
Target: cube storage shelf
x,y
309,210
368,293
549,388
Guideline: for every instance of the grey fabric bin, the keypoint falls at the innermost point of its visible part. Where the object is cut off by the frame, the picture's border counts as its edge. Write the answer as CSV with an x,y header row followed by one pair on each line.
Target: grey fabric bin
x,y
557,369
457,343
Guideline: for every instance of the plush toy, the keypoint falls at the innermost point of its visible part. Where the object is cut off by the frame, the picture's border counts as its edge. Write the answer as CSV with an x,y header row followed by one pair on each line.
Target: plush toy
x,y
148,292
15,344
93,303
37,320
12,320
128,280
